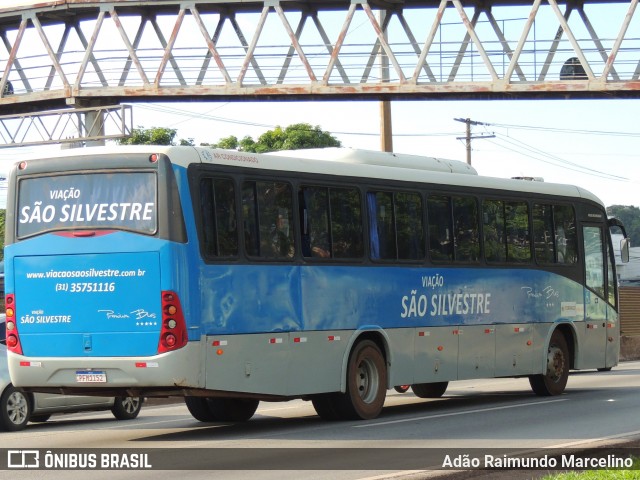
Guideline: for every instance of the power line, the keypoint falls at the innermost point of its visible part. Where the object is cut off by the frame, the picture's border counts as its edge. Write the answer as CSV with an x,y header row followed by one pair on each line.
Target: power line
x,y
512,143
206,116
565,130
536,154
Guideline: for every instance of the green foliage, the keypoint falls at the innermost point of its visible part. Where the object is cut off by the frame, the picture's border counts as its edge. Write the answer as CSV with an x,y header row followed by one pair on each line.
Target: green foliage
x,y
151,136
294,137
227,143
632,474
630,217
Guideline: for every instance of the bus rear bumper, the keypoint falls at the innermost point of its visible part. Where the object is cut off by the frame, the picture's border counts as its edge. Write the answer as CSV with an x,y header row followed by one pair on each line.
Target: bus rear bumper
x,y
168,372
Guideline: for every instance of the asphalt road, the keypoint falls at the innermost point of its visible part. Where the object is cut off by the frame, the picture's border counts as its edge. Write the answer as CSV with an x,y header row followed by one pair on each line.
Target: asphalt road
x,y
413,438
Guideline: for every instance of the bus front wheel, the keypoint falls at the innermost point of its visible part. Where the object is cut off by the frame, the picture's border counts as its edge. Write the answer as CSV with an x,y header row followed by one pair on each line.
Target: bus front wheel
x,y
430,390
221,409
554,381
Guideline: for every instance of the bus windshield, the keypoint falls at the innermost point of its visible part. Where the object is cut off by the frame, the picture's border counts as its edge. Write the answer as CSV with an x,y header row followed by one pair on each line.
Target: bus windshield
x,y
120,200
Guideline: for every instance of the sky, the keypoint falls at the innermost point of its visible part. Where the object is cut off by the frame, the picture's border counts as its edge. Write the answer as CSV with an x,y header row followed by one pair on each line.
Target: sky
x,y
594,144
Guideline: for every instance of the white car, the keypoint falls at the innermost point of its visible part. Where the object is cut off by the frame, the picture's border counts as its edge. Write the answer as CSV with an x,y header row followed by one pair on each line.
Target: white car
x,y
17,407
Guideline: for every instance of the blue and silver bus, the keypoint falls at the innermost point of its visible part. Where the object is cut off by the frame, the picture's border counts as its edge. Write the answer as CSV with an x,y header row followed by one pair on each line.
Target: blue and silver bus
x,y
230,278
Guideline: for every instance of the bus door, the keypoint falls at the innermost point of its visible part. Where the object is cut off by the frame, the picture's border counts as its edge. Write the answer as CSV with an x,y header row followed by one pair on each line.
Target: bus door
x,y
595,303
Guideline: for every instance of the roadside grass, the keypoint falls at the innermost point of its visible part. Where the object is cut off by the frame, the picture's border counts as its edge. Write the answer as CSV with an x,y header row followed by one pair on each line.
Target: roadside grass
x,y
631,474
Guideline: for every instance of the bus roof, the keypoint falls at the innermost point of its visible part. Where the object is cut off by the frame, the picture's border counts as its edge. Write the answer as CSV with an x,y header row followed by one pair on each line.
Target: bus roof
x,y
387,159
343,163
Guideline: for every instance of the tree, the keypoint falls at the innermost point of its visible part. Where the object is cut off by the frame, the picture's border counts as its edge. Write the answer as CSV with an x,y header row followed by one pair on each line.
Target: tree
x,y
151,136
630,217
294,137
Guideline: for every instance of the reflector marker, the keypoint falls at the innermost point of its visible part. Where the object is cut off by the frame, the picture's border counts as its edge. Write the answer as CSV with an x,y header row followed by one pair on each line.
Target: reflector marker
x,y
219,343
300,340
30,364
488,330
147,365
457,332
275,340
592,326
332,338
611,325
519,329
424,334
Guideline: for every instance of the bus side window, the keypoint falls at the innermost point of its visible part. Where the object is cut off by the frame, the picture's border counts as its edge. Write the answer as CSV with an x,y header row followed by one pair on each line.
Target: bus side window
x,y
219,225
566,235
543,236
517,230
346,223
267,218
440,228
467,245
382,226
315,222
495,248
409,226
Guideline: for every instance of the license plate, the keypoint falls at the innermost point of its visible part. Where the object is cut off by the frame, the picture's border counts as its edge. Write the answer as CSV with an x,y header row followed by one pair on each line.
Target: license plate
x,y
85,376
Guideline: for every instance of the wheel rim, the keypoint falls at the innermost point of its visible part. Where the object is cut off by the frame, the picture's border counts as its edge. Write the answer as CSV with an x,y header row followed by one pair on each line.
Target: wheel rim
x,y
367,381
17,408
130,404
555,364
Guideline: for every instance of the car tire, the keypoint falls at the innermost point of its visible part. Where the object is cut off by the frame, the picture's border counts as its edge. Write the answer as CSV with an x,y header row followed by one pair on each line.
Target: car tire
x,y
15,407
126,408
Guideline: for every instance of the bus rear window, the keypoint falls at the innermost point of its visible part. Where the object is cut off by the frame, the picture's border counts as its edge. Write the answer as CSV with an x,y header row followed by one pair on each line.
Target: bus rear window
x,y
120,200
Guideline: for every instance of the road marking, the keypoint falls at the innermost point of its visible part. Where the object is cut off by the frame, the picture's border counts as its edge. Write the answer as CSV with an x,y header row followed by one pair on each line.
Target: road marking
x,y
479,410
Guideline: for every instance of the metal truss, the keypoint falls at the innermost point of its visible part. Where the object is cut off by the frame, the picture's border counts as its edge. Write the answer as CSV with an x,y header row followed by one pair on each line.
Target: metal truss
x,y
68,126
69,52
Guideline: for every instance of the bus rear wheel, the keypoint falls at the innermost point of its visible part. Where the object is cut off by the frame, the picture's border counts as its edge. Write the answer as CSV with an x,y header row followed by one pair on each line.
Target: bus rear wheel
x,y
325,406
554,381
366,384
216,409
430,390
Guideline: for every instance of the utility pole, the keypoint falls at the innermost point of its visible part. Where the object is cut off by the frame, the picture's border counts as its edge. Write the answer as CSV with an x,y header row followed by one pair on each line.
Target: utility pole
x,y
467,138
386,130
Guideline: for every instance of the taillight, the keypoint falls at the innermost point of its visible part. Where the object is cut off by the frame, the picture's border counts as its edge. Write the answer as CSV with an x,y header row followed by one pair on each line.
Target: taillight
x,y
12,338
173,334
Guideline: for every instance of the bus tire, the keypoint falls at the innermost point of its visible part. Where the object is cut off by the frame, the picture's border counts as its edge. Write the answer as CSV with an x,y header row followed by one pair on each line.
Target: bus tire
x,y
15,408
325,406
554,381
199,408
366,384
232,409
126,408
430,390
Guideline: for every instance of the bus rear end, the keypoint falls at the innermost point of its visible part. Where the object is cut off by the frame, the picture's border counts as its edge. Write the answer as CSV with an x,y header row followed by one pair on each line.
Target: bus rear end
x,y
92,301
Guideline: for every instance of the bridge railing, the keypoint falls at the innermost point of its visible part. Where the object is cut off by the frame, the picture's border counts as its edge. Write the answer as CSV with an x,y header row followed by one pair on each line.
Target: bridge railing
x,y
163,50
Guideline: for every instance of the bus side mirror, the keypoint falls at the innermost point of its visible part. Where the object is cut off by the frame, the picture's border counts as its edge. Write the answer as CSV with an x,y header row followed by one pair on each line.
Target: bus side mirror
x,y
624,250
